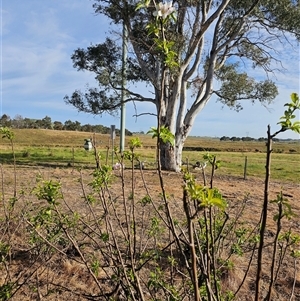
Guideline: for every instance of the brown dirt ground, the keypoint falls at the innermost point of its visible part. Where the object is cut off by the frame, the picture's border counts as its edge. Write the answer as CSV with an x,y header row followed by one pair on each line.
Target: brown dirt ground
x,y
234,189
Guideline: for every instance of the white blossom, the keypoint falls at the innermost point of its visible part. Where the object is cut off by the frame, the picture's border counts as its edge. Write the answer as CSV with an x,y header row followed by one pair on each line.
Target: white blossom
x,y
164,9
118,166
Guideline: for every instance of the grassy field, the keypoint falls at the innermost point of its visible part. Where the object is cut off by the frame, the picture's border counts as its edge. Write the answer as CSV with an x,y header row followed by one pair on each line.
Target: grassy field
x,y
36,137
65,148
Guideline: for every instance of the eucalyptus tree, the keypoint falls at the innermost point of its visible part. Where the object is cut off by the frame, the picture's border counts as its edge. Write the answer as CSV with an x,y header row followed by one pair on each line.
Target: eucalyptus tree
x,y
208,47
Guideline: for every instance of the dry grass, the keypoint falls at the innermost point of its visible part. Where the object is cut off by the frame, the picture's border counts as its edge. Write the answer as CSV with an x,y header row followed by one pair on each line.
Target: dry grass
x,y
57,277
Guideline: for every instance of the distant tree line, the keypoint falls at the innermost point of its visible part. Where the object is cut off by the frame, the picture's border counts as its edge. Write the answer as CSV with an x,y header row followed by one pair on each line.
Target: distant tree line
x,y
225,138
19,122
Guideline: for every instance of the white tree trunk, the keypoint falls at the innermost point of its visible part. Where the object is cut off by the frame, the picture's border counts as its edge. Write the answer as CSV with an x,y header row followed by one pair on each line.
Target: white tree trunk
x,y
179,142
180,122
171,156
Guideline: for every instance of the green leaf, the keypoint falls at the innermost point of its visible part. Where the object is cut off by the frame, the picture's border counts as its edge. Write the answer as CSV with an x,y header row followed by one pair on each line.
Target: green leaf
x,y
295,98
135,143
218,203
7,133
142,4
104,237
164,134
295,129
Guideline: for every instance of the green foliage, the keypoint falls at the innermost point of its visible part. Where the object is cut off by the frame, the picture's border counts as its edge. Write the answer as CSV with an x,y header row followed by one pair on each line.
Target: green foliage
x,y
285,208
236,85
143,4
156,278
241,238
155,228
48,224
229,296
289,114
6,291
206,197
153,30
4,251
104,237
95,266
145,200
131,155
166,48
7,133
295,254
211,158
12,203
91,199
157,282
134,143
49,191
164,134
165,15
101,177
290,239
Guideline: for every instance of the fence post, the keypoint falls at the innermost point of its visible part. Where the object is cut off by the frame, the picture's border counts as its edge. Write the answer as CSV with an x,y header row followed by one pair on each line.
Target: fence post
x,y
73,157
245,168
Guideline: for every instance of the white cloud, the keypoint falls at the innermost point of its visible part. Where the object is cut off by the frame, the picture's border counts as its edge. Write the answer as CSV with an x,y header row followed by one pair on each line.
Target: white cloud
x,y
28,68
45,28
5,21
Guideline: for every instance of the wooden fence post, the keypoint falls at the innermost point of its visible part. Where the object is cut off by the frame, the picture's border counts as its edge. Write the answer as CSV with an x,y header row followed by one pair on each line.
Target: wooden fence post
x,y
245,168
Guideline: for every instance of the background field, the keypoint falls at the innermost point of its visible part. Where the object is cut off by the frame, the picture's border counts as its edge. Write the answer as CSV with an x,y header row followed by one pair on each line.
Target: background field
x,y
65,149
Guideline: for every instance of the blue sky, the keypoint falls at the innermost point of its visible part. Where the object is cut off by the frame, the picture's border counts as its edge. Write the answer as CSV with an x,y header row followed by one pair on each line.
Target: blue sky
x,y
38,39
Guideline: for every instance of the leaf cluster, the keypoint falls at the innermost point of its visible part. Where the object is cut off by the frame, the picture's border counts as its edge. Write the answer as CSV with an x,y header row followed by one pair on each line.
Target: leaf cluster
x,y
94,101
163,133
286,121
49,191
7,133
206,197
237,86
